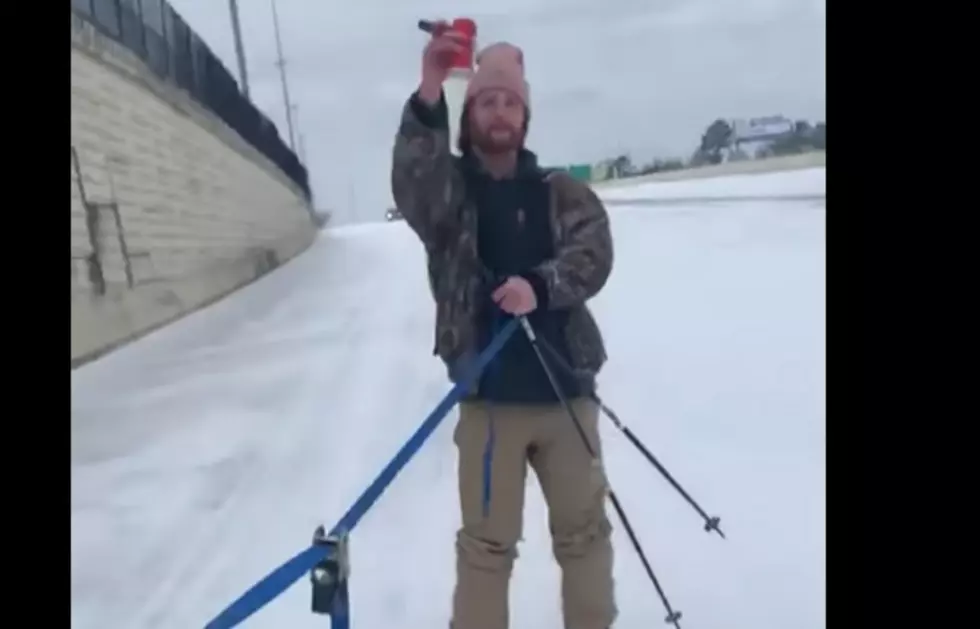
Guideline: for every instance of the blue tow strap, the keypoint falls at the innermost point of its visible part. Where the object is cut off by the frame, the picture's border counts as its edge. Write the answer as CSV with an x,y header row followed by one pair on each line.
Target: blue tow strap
x,y
495,328
277,581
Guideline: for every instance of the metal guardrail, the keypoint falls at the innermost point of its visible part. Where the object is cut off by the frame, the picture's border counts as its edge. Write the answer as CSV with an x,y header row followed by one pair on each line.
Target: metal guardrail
x,y
156,33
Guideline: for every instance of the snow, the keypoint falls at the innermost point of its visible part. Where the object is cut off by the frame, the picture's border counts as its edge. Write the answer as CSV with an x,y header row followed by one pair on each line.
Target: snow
x,y
205,454
802,182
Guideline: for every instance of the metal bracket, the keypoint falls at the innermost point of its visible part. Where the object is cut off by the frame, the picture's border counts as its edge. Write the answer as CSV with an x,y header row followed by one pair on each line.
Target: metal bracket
x,y
329,576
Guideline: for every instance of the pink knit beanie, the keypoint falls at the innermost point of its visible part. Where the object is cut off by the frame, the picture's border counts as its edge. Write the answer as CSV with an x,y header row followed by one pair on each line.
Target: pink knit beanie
x,y
499,66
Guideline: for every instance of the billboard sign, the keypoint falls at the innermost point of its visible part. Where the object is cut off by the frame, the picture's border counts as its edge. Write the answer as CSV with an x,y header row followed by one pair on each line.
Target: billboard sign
x,y
765,128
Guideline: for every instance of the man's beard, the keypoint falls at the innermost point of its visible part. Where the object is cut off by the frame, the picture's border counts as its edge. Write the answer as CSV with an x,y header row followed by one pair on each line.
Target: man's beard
x,y
493,142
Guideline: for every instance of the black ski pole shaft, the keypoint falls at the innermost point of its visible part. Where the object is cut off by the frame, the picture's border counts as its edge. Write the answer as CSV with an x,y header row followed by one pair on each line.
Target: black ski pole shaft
x,y
556,387
673,616
711,523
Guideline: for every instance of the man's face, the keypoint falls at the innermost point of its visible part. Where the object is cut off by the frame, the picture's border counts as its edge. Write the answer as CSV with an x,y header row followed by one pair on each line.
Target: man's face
x,y
497,121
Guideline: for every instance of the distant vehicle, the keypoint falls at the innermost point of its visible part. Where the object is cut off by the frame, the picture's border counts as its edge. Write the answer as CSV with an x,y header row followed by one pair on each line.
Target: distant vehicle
x,y
393,215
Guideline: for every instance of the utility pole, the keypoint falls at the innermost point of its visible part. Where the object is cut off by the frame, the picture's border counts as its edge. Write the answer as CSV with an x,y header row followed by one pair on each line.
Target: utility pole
x,y
300,148
352,203
282,73
236,29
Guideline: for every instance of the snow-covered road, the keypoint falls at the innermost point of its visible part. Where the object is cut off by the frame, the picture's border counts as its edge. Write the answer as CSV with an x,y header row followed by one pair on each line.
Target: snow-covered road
x,y
206,453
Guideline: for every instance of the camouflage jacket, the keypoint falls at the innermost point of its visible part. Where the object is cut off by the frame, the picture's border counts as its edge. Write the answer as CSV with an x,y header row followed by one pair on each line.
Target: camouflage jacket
x,y
429,190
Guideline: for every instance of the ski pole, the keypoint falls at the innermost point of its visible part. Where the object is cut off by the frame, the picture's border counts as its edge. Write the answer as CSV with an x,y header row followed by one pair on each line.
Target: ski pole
x,y
673,616
711,523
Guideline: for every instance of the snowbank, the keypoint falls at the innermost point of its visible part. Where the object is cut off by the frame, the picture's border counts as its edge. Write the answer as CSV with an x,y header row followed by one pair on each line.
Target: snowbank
x,y
804,182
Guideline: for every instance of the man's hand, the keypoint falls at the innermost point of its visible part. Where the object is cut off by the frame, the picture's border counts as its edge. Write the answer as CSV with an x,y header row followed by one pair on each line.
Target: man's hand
x,y
515,296
437,60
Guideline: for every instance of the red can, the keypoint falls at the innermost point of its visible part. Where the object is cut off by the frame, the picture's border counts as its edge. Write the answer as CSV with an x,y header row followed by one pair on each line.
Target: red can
x,y
467,27
463,25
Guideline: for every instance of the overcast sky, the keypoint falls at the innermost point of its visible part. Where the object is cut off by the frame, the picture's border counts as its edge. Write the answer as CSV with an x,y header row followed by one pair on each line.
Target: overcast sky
x,y
607,76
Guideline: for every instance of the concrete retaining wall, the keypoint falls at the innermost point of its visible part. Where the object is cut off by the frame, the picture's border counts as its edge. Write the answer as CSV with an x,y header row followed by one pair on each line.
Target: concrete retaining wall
x,y
170,208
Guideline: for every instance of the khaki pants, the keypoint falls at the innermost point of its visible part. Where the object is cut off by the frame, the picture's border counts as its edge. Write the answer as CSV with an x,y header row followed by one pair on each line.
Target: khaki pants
x,y
574,488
